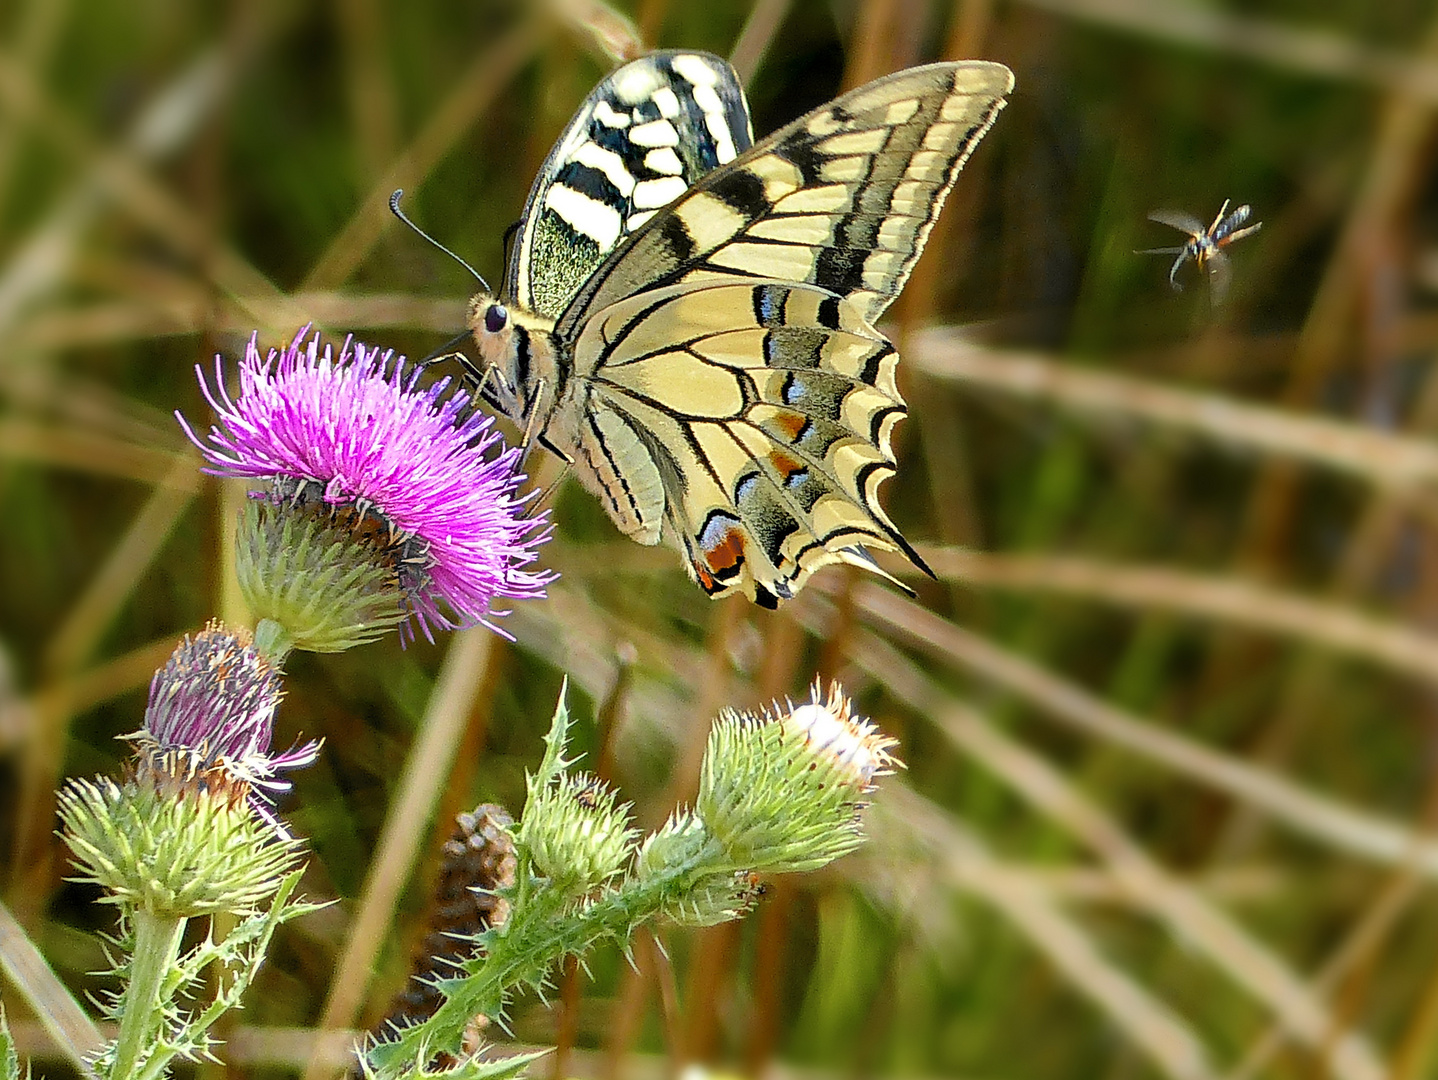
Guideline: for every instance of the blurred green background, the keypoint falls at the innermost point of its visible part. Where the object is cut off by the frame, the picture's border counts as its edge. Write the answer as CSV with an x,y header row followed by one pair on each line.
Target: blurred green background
x,y
1169,714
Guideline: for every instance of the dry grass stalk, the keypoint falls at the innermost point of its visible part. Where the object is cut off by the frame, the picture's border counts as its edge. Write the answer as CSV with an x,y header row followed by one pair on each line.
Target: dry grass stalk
x,y
1326,820
113,322
1189,917
370,83
1308,52
406,826
120,174
473,92
609,31
1223,597
1390,461
902,817
118,577
765,19
1393,172
100,455
1356,949
71,645
71,1028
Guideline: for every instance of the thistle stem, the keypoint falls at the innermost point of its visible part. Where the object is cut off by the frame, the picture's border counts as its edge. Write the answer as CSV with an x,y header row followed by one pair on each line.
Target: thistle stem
x,y
273,641
157,946
539,932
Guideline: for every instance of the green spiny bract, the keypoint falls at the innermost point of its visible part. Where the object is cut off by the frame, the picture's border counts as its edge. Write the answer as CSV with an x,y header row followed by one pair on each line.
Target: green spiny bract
x,y
9,1059
309,572
574,834
175,1032
193,848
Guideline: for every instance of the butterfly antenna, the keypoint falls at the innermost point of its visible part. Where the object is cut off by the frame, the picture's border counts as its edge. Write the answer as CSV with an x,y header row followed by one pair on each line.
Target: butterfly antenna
x,y
397,212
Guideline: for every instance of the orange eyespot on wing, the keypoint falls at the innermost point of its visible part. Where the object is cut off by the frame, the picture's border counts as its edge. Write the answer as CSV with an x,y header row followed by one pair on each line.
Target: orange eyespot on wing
x,y
721,546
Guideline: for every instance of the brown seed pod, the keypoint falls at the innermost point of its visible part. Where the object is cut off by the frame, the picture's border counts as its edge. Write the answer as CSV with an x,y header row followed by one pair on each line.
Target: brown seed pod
x,y
478,858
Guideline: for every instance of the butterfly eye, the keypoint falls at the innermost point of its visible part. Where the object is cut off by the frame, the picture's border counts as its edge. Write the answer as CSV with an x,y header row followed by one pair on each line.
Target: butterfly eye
x,y
495,318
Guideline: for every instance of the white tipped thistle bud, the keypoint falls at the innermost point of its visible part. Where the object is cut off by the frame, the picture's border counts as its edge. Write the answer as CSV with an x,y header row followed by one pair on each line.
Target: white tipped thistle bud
x,y
781,791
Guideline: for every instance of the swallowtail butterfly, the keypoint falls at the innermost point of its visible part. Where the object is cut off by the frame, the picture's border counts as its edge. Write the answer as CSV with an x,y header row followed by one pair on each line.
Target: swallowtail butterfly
x,y
688,319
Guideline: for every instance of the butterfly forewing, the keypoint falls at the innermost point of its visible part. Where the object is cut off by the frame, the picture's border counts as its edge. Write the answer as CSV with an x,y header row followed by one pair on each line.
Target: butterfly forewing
x,y
644,135
843,198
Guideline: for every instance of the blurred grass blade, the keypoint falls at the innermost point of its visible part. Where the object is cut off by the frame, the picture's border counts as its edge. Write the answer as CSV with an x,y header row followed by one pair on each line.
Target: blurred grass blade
x,y
1190,918
72,1029
1390,461
1227,598
1150,1025
1325,820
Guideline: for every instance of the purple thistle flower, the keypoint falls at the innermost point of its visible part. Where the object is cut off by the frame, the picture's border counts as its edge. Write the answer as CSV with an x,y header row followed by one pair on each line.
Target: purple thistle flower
x,y
358,430
210,717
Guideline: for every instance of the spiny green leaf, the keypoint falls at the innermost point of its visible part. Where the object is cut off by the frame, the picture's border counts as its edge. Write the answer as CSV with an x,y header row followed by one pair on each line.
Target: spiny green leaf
x,y
554,764
9,1059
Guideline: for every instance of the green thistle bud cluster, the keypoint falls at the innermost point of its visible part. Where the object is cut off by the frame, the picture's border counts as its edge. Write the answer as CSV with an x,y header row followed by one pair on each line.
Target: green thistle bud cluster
x,y
780,790
682,839
574,833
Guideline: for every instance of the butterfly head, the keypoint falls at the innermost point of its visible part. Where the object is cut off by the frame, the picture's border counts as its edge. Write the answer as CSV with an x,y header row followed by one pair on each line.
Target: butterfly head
x,y
517,358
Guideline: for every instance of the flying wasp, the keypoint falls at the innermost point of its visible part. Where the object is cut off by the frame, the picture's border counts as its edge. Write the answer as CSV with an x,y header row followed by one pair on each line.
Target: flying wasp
x,y
1205,245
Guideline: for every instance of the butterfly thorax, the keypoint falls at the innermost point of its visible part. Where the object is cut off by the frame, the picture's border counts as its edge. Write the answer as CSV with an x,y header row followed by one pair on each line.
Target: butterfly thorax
x,y
530,373
520,364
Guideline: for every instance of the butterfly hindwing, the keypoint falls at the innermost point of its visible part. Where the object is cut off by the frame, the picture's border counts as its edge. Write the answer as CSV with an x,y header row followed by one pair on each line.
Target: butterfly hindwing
x,y
843,198
752,419
647,132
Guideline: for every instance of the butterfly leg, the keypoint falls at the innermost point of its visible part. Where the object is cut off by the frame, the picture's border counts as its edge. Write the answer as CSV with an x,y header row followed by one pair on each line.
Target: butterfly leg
x,y
1240,234
538,504
531,414
1183,257
482,385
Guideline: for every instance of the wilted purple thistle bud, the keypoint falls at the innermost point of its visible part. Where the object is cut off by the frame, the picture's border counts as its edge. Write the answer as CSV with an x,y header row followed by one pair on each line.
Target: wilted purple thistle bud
x,y
210,718
386,503
188,833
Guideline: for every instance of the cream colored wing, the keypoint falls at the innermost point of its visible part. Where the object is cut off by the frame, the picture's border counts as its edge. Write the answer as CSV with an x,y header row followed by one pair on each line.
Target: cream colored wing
x,y
843,198
751,420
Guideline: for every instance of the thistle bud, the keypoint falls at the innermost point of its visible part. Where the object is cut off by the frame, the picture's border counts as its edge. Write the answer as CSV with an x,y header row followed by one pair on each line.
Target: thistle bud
x,y
783,790
189,831
317,572
575,834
